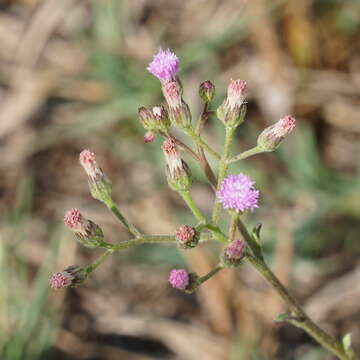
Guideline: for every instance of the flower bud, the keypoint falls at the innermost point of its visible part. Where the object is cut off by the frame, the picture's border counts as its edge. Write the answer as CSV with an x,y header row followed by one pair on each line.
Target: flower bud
x,y
207,91
233,253
70,277
155,119
177,171
182,280
229,112
179,112
149,137
99,184
87,232
273,135
187,237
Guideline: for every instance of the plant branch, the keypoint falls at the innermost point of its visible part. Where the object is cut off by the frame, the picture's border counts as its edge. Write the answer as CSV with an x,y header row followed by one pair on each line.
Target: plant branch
x,y
223,166
254,151
115,210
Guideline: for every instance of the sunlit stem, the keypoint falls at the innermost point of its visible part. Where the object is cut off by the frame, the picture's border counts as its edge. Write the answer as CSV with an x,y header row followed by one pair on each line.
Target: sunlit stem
x,y
223,166
254,151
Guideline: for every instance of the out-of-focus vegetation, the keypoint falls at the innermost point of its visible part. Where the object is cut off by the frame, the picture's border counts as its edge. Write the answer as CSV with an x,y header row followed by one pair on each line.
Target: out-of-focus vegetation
x,y
73,74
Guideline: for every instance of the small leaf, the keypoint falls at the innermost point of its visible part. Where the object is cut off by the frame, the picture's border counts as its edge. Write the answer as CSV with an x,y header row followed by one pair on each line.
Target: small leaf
x,y
282,317
255,234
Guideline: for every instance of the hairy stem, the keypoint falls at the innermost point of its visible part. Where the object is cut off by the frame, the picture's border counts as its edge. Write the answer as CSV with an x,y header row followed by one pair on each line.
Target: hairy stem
x,y
115,210
254,151
209,275
199,141
232,226
223,166
192,206
299,317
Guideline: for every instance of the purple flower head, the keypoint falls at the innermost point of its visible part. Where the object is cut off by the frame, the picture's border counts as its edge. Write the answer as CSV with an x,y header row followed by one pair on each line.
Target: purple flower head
x,y
237,192
235,250
165,65
179,279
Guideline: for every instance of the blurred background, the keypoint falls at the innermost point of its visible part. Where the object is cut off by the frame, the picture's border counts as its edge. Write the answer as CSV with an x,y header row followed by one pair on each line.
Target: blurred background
x,y
73,74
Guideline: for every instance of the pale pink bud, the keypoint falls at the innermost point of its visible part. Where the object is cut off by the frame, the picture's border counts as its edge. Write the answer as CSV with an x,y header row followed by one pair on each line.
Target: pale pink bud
x,y
177,171
88,162
187,237
273,135
87,232
231,112
149,137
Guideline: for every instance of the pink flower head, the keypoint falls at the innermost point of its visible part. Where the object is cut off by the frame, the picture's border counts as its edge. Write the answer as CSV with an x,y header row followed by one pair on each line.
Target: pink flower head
x,y
186,236
235,250
236,93
149,137
164,66
60,280
273,135
179,279
74,220
88,161
237,192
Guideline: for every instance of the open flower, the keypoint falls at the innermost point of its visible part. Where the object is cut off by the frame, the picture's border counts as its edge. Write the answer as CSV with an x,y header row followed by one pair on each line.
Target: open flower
x,y
164,66
237,192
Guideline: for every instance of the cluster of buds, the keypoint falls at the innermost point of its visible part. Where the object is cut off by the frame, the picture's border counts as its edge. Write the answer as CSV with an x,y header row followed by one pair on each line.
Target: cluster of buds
x,y
99,184
273,135
165,66
232,111
87,232
187,237
70,277
233,253
154,120
177,171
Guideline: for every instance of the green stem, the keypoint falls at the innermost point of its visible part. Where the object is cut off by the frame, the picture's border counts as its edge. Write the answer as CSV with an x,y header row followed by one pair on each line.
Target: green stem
x,y
223,166
254,151
145,239
200,142
215,231
192,206
98,261
209,275
115,210
232,227
300,318
253,244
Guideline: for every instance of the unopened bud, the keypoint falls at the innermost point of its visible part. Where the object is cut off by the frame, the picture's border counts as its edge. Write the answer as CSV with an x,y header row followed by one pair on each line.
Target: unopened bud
x,y
70,277
179,112
149,137
177,171
87,232
207,91
99,184
187,237
273,135
182,280
233,253
155,119
229,112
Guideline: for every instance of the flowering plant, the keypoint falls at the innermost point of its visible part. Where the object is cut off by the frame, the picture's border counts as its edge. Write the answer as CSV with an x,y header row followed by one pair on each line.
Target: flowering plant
x,y
235,193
